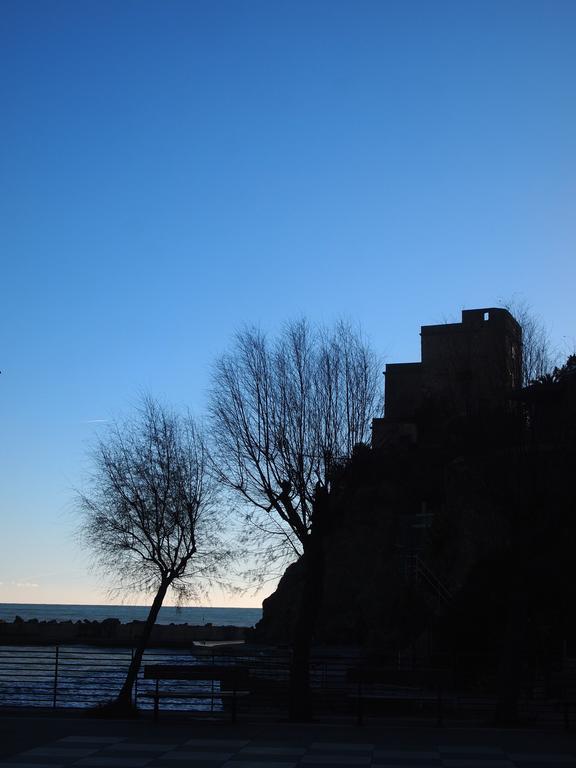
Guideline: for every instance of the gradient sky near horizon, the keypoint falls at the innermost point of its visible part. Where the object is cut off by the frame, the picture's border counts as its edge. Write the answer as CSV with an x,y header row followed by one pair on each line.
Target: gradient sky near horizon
x,y
171,171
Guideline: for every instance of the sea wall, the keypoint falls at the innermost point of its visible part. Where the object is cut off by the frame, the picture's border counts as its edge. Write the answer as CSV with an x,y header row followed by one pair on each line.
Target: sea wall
x,y
112,632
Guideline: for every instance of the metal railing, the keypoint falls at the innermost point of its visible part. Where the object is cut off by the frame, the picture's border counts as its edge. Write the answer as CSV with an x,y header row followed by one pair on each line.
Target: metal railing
x,y
85,676
60,676
417,571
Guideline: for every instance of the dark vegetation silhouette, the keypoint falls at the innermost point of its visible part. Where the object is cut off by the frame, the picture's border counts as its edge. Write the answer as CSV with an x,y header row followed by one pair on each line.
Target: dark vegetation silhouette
x,y
150,519
538,357
284,413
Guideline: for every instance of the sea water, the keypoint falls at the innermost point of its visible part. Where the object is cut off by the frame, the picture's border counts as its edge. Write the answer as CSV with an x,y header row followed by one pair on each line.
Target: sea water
x,y
81,676
195,615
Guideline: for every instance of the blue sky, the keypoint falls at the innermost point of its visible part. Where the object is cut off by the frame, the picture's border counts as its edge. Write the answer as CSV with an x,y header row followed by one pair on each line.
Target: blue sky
x,y
170,171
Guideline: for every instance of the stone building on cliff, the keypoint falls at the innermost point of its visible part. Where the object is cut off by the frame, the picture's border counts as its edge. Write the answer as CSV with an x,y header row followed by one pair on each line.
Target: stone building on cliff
x,y
446,523
467,368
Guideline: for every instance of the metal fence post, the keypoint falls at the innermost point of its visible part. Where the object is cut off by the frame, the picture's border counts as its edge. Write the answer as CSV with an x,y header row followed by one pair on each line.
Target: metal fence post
x,y
135,681
56,676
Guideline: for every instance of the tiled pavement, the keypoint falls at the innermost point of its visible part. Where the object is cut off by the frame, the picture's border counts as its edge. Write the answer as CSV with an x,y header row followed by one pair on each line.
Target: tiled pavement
x,y
154,751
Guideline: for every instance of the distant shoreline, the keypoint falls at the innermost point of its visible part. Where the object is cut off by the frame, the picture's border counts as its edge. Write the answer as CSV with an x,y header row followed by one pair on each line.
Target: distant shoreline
x,y
114,632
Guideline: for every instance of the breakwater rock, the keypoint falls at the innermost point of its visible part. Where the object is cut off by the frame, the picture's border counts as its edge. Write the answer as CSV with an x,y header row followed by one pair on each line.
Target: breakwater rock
x,y
112,632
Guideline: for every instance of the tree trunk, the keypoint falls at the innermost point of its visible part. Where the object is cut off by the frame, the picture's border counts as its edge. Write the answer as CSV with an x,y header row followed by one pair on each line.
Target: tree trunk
x,y
124,699
300,704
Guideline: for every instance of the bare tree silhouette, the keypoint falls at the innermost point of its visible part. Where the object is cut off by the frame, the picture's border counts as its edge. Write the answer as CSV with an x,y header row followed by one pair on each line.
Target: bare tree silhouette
x,y
283,413
538,357
149,519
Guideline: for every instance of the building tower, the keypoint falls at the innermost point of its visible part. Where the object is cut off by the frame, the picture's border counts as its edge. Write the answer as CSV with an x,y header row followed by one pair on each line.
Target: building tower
x,y
467,369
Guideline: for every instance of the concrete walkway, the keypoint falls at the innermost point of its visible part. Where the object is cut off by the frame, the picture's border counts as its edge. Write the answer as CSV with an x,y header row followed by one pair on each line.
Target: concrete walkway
x,y
30,741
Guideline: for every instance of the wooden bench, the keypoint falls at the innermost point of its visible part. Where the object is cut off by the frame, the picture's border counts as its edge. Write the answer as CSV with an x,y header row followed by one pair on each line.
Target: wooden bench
x,y
233,681
398,686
